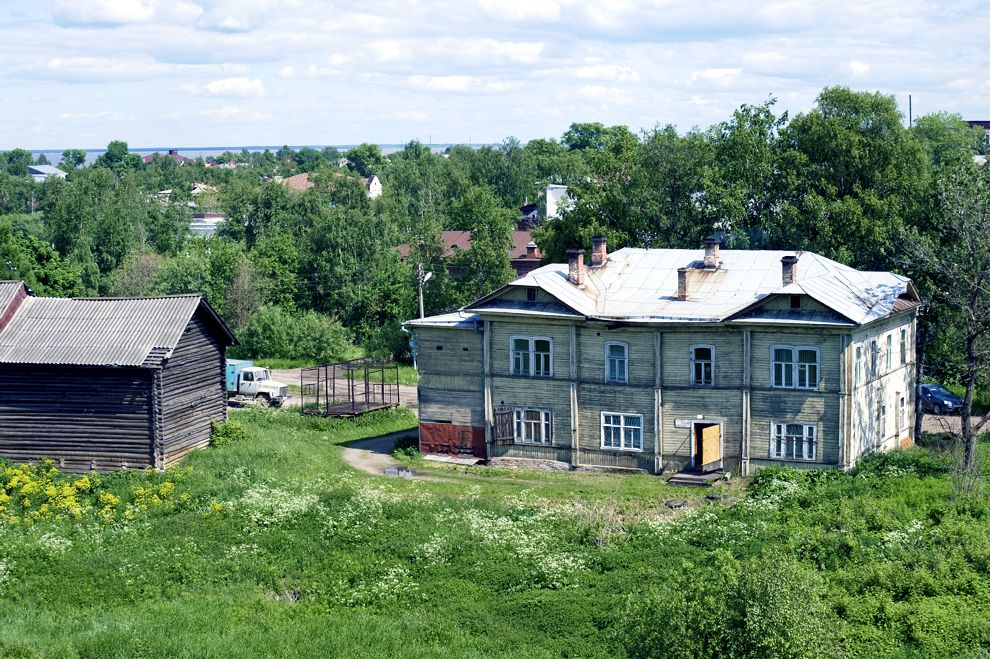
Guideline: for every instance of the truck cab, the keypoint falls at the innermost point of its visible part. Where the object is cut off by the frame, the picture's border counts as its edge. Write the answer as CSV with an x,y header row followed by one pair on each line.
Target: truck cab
x,y
246,381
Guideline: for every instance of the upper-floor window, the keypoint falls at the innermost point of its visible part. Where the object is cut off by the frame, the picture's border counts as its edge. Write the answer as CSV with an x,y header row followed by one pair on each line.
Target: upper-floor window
x,y
703,365
616,362
795,367
533,425
794,441
858,365
904,346
532,356
889,357
622,431
874,358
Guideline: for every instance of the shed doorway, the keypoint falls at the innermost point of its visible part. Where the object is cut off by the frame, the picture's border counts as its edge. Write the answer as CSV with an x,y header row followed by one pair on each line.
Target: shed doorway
x,y
707,445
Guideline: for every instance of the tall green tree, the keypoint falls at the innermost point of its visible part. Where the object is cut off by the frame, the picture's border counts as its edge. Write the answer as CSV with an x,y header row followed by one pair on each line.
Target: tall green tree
x,y
853,178
485,266
957,257
73,158
366,159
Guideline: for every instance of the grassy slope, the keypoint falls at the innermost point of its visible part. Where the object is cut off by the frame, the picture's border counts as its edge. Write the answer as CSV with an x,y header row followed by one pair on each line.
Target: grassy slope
x,y
514,563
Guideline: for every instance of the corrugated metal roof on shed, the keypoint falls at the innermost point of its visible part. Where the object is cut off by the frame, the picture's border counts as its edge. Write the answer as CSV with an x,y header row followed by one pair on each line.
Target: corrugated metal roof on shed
x,y
8,289
96,332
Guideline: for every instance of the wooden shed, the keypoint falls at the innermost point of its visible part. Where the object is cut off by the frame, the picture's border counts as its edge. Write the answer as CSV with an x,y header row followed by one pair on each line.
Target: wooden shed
x,y
108,383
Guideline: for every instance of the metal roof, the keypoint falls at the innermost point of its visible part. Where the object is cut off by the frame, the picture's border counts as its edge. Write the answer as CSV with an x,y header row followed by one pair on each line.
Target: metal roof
x,y
458,319
8,290
640,285
99,332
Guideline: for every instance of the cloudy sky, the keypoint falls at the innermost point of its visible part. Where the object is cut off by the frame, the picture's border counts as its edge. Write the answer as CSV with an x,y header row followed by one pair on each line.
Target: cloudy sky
x,y
159,73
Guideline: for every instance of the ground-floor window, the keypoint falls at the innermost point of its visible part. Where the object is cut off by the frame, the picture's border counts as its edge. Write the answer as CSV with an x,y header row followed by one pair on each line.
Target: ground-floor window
x,y
533,425
794,441
622,431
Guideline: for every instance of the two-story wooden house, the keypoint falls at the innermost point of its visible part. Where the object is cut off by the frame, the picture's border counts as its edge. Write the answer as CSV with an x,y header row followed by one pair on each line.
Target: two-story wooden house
x,y
665,360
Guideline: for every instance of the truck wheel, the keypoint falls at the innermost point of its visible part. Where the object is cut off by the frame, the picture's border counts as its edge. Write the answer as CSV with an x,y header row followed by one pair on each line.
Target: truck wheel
x,y
263,400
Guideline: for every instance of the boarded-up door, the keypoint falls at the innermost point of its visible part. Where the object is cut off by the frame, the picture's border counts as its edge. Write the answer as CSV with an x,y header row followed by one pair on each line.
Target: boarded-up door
x,y
709,443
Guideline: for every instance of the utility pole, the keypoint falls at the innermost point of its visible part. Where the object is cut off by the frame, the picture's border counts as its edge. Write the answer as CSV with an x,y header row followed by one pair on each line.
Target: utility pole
x,y
421,278
419,285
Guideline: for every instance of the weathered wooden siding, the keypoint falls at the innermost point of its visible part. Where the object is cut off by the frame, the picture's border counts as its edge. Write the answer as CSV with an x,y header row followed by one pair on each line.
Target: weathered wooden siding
x,y
676,356
865,434
711,405
789,406
591,354
451,381
829,356
82,417
193,393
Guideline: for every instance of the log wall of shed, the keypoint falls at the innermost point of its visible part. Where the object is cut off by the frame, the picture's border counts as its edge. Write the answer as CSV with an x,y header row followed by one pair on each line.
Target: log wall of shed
x,y
84,418
193,392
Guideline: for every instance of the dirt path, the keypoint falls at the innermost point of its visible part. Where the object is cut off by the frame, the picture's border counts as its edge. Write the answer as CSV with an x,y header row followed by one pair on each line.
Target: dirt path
x,y
948,423
374,456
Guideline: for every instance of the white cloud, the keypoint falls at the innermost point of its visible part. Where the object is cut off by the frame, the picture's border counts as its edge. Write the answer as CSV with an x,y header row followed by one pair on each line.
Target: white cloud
x,y
522,10
858,68
90,117
108,12
96,69
239,87
611,72
226,114
719,77
123,12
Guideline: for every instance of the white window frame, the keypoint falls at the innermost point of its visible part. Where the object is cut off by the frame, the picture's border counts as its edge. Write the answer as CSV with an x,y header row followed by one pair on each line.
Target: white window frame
x,y
881,429
889,357
531,356
545,425
858,366
623,427
809,441
902,411
796,367
625,362
904,349
874,357
694,362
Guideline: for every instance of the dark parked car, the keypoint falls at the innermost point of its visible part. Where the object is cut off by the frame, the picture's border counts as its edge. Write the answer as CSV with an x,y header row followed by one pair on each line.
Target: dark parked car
x,y
936,399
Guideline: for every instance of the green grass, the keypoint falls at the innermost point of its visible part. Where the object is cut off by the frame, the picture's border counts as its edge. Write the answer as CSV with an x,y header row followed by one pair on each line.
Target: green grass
x,y
271,545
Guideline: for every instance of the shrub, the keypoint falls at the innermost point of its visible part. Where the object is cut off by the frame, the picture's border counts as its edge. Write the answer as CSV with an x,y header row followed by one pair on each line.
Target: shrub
x,y
913,461
231,432
407,447
274,332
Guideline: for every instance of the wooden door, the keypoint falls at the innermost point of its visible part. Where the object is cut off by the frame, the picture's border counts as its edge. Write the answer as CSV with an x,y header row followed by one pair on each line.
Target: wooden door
x,y
709,447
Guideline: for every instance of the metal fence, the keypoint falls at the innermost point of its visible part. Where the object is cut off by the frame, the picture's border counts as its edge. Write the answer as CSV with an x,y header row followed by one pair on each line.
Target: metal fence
x,y
349,388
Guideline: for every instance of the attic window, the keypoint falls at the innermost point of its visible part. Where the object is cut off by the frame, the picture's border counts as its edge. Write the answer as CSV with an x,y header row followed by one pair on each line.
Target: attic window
x,y
439,347
531,294
795,302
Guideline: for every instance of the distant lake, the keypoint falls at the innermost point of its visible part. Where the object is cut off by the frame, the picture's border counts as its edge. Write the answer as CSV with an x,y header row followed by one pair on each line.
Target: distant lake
x,y
55,155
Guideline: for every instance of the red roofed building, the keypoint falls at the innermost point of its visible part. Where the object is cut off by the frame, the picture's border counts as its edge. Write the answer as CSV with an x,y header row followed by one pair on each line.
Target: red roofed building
x,y
524,255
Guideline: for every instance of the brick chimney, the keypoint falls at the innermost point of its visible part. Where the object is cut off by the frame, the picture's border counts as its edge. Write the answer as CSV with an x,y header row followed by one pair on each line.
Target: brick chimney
x,y
599,251
682,283
712,258
788,269
575,266
531,251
